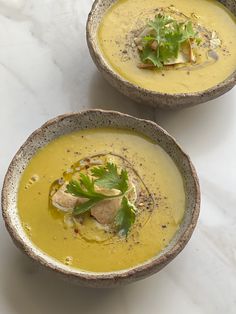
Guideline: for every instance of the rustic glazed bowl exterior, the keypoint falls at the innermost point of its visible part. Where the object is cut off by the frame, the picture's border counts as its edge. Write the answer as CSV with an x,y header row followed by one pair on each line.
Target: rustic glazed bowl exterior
x,y
96,119
139,94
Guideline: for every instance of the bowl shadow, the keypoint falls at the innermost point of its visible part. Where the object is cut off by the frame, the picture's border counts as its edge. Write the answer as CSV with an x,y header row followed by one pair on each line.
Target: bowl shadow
x,y
103,96
201,128
29,288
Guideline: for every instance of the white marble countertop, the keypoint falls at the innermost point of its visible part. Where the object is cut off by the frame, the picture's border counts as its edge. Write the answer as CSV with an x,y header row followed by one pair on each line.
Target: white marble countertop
x,y
46,70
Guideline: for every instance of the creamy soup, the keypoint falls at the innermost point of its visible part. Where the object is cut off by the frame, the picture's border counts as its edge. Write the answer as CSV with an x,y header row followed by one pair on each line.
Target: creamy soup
x,y
88,241
121,37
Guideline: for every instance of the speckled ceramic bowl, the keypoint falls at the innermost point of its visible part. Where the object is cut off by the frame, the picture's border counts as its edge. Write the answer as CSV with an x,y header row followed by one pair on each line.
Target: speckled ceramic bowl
x,y
95,119
139,94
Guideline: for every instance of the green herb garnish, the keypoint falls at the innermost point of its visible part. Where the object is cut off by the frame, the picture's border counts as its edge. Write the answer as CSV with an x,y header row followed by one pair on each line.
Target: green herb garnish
x,y
125,216
109,177
106,177
164,40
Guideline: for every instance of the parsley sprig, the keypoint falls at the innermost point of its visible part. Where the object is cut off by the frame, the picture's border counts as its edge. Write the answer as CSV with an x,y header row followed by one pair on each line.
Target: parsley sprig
x,y
109,177
125,216
106,177
163,41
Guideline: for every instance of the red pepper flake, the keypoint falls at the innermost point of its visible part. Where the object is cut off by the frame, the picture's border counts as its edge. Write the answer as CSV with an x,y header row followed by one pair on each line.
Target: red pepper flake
x,y
76,230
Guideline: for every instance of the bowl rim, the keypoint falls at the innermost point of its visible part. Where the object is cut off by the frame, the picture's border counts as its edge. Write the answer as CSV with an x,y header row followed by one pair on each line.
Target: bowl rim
x,y
101,61
87,277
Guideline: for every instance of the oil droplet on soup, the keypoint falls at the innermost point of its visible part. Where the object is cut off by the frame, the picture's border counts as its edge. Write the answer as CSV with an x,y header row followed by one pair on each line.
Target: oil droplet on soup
x,y
87,245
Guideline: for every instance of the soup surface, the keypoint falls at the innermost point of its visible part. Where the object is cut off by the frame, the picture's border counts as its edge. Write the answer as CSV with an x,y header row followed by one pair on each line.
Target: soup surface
x,y
88,246
215,54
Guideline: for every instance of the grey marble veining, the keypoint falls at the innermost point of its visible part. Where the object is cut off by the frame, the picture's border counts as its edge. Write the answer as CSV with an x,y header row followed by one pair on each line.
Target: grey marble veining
x,y
46,70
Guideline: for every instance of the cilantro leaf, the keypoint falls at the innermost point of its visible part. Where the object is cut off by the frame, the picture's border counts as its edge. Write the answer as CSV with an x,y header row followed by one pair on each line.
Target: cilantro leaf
x,y
189,31
149,55
126,216
109,178
149,38
84,207
160,21
84,188
164,40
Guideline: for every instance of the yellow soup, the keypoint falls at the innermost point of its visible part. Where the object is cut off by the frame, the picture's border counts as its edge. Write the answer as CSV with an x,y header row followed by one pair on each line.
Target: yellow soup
x,y
215,56
84,247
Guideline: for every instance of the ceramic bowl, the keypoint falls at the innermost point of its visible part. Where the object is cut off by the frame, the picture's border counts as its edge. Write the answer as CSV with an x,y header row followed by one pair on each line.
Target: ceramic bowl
x,y
139,94
96,119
